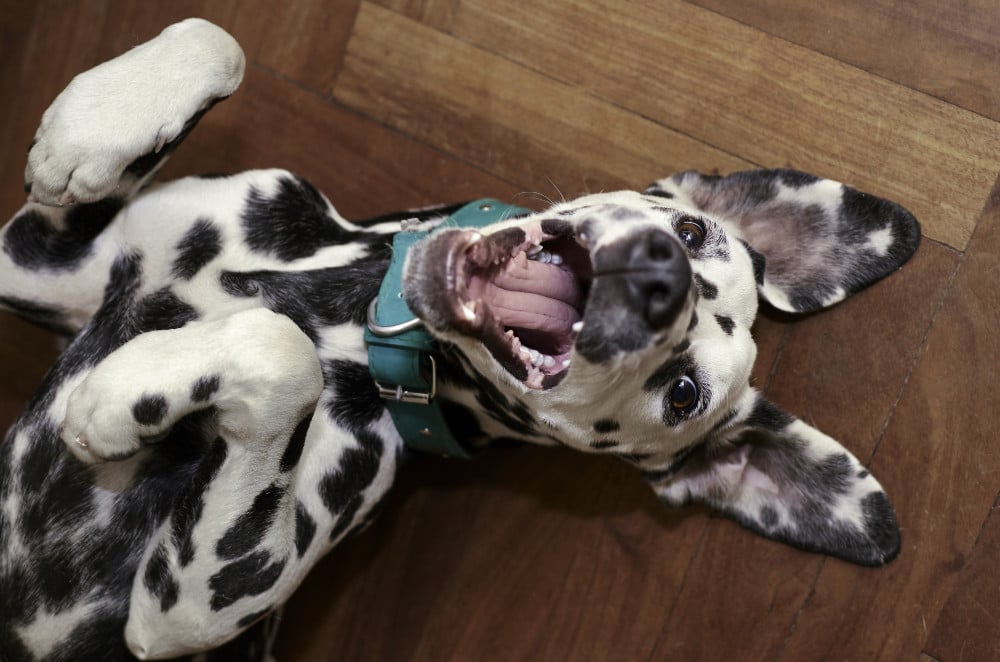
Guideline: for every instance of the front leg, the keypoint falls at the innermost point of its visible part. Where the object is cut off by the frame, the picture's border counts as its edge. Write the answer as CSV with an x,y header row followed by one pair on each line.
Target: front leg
x,y
256,368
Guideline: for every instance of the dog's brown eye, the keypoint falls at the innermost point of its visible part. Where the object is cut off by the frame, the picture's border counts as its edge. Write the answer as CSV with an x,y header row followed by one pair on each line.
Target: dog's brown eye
x,y
684,395
691,232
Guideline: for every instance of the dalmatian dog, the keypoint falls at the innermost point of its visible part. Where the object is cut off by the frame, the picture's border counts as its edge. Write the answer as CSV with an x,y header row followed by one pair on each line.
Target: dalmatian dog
x,y
212,427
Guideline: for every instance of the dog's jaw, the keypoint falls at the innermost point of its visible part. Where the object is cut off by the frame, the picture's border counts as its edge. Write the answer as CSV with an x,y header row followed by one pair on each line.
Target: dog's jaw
x,y
518,290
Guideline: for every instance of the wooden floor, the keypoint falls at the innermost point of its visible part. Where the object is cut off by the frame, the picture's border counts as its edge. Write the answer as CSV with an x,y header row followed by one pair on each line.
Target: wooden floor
x,y
542,554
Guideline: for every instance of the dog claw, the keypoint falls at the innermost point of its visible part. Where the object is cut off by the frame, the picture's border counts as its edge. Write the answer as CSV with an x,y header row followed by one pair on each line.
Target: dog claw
x,y
81,441
66,198
161,140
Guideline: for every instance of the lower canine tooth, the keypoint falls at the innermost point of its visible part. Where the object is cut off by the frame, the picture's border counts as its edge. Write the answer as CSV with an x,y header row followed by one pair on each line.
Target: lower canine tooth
x,y
577,327
469,313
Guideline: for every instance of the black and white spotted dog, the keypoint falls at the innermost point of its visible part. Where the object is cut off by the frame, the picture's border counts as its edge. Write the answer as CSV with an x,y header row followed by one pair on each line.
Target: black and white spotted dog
x,y
212,429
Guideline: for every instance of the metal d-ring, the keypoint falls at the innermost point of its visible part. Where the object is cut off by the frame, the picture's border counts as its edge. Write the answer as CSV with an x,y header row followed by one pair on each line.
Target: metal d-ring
x,y
389,331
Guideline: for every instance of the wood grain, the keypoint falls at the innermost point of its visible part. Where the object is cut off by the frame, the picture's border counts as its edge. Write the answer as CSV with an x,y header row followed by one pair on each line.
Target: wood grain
x,y
948,49
425,83
542,554
757,97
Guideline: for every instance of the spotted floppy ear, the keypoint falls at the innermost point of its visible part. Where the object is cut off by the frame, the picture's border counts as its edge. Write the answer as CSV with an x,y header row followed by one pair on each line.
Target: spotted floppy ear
x,y
789,482
820,240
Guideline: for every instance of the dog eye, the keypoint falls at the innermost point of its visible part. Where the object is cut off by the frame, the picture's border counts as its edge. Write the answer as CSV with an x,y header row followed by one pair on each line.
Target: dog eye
x,y
691,232
684,396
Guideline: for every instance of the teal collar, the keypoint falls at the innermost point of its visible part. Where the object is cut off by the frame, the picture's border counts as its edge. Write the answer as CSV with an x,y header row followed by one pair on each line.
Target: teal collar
x,y
401,353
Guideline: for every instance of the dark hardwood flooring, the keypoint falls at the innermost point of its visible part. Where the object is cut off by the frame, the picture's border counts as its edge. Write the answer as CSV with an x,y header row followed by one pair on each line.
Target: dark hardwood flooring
x,y
542,554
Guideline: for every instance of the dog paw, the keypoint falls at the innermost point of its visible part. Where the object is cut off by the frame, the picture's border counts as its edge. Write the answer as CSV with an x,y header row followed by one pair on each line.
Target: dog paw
x,y
106,423
129,107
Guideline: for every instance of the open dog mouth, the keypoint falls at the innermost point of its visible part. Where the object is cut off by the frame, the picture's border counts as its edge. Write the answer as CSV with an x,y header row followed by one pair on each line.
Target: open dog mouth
x,y
522,291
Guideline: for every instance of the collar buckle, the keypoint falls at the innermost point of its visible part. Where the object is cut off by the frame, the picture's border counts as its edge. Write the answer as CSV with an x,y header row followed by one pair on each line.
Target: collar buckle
x,y
400,394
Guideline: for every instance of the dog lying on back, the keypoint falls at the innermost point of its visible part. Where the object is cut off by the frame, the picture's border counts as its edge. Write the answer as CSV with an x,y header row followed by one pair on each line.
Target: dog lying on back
x,y
212,428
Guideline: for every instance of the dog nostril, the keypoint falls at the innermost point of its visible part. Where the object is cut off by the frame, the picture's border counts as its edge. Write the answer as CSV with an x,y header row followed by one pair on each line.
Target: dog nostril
x,y
659,247
660,305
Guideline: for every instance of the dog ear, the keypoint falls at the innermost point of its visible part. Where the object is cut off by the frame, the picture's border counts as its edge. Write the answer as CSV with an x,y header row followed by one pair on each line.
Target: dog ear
x,y
787,481
821,240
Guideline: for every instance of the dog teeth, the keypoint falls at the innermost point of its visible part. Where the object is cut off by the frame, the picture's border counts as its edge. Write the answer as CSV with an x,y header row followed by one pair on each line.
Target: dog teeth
x,y
538,255
548,361
468,309
577,327
565,364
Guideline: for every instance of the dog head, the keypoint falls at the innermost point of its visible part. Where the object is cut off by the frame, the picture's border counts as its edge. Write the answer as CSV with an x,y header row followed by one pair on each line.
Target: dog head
x,y
620,323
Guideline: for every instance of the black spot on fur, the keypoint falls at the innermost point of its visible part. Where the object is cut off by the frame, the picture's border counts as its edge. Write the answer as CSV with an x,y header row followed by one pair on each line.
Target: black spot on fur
x,y
205,388
677,462
163,310
768,516
660,193
293,223
250,528
251,575
356,470
356,402
189,504
681,347
726,323
863,473
33,243
317,298
150,409
796,179
694,322
706,289
606,425
305,528
880,524
768,417
759,263
293,451
201,244
158,579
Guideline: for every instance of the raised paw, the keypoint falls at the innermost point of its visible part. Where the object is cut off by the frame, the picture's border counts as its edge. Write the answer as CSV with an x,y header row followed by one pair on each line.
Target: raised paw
x,y
106,422
129,107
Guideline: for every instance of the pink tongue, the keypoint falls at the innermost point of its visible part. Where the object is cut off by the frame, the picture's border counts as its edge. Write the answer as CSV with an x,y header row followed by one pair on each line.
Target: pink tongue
x,y
532,295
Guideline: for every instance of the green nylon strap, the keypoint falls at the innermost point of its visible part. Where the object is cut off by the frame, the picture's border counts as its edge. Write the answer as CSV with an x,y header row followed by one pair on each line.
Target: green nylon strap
x,y
401,352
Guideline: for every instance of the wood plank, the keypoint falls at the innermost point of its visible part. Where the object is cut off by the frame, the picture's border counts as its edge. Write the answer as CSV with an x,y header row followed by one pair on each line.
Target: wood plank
x,y
521,554
527,128
843,370
438,14
840,370
757,97
970,619
302,40
939,463
947,49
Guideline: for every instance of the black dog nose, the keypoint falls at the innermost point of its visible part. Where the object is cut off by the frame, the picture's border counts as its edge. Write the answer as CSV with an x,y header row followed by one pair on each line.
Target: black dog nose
x,y
654,273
